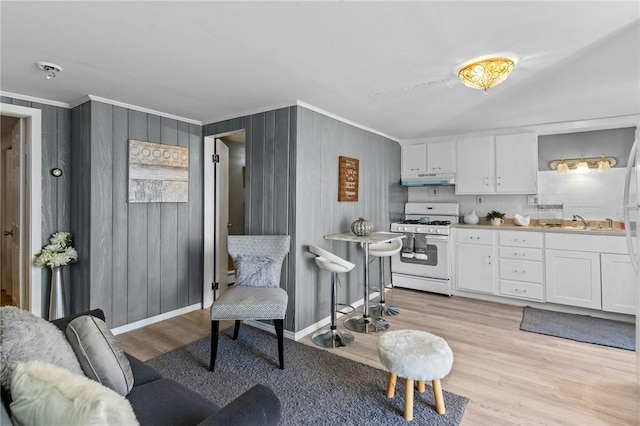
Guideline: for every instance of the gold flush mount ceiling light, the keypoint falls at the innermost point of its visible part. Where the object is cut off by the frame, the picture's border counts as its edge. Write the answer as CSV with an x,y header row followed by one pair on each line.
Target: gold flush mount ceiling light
x,y
487,72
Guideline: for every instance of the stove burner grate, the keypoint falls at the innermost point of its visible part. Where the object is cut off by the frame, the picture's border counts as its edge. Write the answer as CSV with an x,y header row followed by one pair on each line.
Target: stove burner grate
x,y
417,222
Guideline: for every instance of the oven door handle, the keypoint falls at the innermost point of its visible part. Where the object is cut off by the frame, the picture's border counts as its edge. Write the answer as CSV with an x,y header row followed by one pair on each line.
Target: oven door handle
x,y
436,237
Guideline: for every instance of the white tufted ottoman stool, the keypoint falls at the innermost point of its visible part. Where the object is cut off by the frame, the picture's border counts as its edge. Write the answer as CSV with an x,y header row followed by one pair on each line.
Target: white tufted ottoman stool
x,y
415,355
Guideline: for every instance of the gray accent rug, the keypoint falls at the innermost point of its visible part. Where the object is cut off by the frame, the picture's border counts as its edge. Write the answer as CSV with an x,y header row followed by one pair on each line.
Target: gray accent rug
x,y
583,328
315,387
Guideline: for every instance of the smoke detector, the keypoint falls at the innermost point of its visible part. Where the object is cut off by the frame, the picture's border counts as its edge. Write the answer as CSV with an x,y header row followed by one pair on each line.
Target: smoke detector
x,y
49,68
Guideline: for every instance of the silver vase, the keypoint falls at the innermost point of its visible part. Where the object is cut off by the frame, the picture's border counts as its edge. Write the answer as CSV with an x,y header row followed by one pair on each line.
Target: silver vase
x,y
56,300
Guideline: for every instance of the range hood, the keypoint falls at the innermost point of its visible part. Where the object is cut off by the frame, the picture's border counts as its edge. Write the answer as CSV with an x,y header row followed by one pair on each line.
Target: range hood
x,y
426,179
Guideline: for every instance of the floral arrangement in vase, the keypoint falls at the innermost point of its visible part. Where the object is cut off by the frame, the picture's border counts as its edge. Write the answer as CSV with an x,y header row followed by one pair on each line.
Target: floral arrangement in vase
x,y
58,252
495,217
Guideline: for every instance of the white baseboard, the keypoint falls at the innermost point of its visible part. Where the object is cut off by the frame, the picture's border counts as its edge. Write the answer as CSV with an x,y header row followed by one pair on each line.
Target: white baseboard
x,y
157,318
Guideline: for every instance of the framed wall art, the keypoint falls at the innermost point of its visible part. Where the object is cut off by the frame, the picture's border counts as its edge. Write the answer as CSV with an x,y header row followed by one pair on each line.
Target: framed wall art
x,y
348,178
158,173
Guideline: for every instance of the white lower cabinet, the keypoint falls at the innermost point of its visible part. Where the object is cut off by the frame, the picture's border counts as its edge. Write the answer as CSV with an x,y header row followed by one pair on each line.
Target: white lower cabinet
x,y
619,284
476,261
521,269
573,278
588,271
591,271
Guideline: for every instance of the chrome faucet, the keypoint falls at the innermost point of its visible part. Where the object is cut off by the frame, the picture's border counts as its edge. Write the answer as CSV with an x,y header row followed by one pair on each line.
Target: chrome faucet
x,y
585,224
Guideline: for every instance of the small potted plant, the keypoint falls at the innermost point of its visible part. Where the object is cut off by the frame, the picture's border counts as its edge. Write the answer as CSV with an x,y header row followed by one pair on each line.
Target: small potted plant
x,y
495,217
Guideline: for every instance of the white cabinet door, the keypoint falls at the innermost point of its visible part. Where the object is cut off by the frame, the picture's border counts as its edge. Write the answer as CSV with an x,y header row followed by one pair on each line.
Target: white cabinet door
x,y
619,284
414,159
476,268
573,278
517,163
441,157
475,165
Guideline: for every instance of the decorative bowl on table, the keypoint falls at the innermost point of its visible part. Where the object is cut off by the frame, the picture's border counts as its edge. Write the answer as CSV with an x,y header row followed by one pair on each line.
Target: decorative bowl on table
x,y
521,220
362,227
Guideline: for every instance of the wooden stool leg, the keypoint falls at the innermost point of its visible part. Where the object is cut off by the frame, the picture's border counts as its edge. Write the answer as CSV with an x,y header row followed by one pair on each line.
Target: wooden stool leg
x,y
421,386
408,400
437,394
391,385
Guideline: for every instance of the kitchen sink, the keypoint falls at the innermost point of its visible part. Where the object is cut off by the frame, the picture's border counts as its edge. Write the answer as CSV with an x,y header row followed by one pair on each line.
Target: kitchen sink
x,y
590,229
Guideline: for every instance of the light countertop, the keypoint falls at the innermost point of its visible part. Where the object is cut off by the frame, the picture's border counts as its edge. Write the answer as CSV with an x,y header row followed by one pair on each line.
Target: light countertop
x,y
595,228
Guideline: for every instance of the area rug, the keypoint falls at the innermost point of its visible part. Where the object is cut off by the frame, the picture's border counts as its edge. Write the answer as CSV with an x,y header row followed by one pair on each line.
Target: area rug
x,y
583,328
316,387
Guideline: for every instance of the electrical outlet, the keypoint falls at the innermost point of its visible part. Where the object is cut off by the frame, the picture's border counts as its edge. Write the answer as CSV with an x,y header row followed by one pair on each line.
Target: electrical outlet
x,y
433,191
479,200
532,200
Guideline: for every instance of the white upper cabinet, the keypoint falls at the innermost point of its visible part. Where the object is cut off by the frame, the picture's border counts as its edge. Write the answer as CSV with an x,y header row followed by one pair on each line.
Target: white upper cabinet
x,y
506,164
517,163
414,160
475,166
441,157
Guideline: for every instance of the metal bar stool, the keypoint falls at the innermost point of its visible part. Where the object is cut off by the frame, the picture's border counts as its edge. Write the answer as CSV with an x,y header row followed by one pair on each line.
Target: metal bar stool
x,y
327,261
383,251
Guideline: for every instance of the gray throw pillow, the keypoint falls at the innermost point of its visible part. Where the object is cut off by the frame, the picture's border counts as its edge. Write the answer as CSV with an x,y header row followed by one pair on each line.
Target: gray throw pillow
x,y
25,337
257,271
100,354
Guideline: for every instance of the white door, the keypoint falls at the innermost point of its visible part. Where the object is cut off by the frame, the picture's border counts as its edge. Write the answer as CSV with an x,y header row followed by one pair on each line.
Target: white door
x,y
414,159
573,278
6,263
222,216
16,190
619,284
517,163
475,165
441,157
475,268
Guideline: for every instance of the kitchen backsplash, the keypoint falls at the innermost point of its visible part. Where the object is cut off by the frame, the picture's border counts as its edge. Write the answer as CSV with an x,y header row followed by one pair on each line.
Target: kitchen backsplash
x,y
592,195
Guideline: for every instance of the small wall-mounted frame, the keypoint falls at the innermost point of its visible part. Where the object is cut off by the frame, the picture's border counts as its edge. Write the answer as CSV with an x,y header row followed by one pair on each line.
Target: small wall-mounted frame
x,y
348,178
158,173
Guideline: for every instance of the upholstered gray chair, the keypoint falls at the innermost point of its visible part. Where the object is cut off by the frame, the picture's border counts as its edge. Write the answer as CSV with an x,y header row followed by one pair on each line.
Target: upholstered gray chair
x,y
256,294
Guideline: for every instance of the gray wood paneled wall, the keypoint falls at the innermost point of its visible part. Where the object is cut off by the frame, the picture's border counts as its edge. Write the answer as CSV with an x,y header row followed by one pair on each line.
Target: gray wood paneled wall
x,y
136,260
381,198
270,180
292,183
56,192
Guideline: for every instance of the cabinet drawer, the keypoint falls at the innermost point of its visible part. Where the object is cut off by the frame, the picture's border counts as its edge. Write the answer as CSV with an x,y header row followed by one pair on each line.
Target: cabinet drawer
x,y
594,243
520,239
521,270
521,290
521,253
475,236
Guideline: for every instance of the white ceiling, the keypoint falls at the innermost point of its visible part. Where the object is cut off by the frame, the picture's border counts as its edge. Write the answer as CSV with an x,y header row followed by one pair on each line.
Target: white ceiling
x,y
388,66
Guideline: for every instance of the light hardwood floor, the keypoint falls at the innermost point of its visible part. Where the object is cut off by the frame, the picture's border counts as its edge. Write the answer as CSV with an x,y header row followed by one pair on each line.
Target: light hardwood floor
x,y
511,377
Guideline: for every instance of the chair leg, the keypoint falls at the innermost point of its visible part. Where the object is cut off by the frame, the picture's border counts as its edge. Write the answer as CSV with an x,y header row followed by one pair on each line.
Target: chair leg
x,y
437,394
215,330
279,326
391,385
408,400
236,329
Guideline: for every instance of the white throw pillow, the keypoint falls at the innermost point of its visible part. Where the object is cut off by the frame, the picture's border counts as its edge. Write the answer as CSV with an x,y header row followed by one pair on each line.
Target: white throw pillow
x,y
25,337
100,354
257,271
44,394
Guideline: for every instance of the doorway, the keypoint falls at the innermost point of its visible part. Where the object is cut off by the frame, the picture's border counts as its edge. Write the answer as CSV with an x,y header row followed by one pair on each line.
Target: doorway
x,y
20,215
10,246
224,207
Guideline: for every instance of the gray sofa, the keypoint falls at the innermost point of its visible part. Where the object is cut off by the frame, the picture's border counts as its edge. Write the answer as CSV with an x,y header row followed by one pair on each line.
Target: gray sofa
x,y
156,400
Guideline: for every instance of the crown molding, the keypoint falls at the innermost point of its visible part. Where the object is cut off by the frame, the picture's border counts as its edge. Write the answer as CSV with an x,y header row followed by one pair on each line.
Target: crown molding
x,y
90,97
34,99
344,120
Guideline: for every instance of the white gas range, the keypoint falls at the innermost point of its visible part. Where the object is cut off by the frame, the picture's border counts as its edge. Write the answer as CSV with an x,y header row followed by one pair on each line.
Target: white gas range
x,y
424,261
